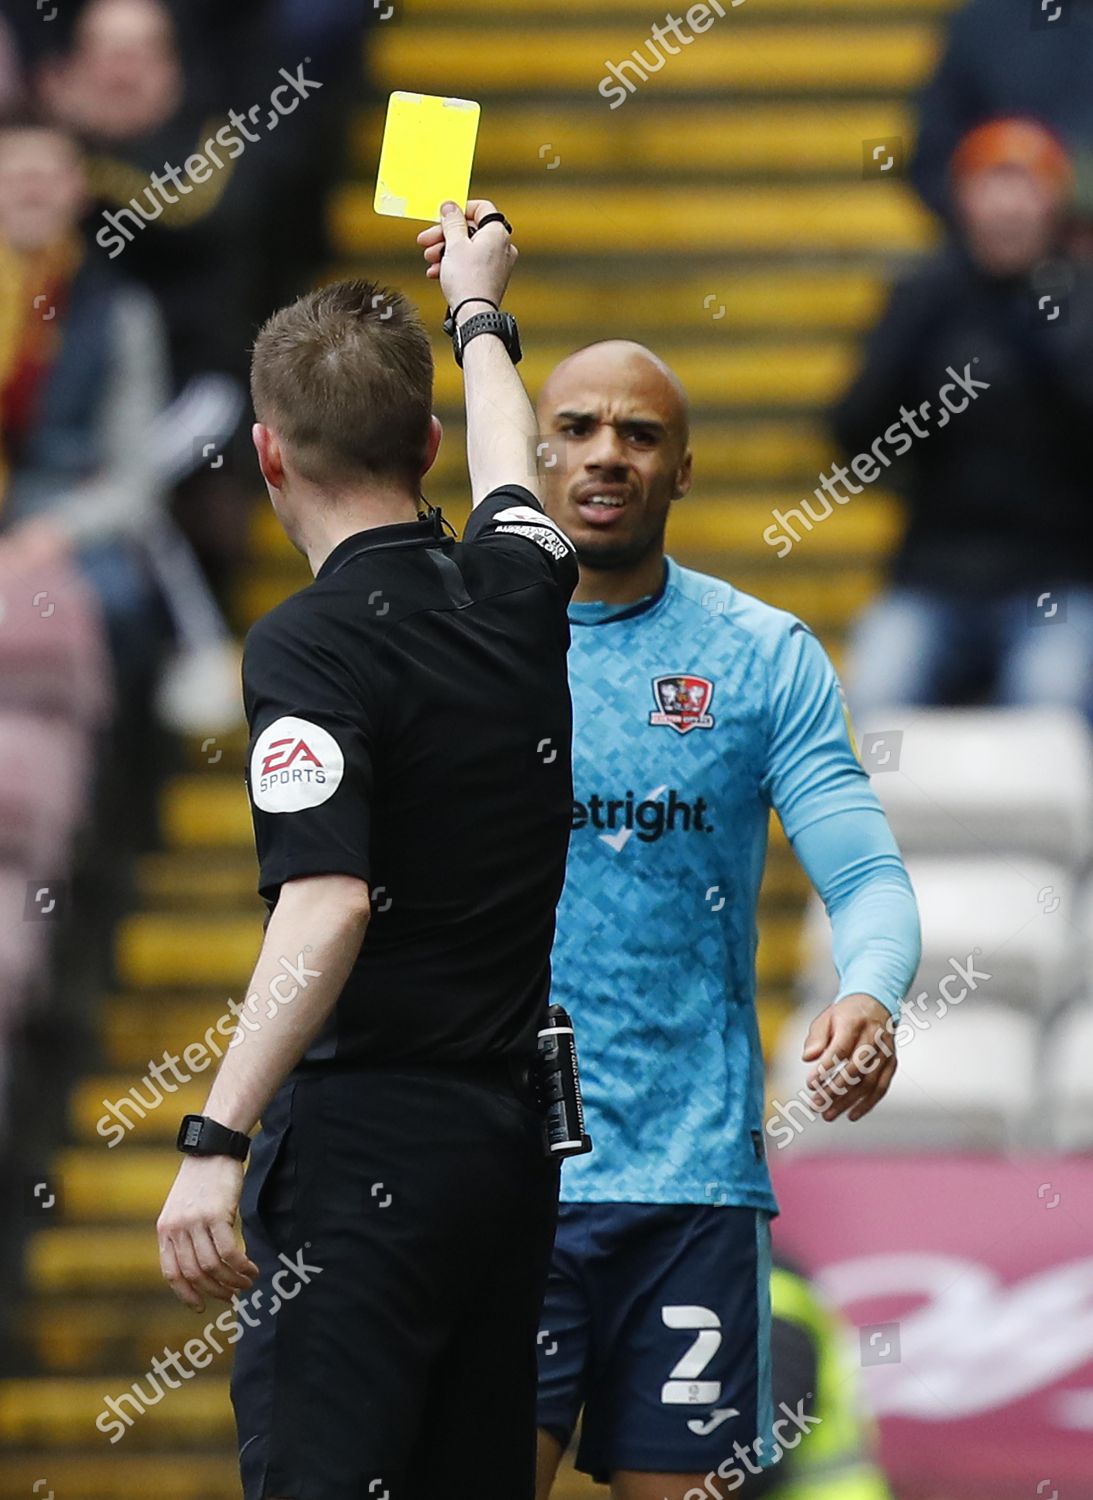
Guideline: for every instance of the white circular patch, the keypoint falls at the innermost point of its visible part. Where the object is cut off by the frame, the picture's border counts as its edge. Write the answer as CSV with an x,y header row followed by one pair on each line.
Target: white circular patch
x,y
294,764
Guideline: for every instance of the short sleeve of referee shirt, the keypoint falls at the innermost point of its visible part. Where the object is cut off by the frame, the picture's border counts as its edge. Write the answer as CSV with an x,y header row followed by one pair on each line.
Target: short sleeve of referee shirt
x,y
510,518
313,729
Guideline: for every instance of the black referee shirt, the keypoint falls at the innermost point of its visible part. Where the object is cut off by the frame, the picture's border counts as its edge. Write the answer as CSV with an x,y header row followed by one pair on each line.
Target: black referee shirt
x,y
410,725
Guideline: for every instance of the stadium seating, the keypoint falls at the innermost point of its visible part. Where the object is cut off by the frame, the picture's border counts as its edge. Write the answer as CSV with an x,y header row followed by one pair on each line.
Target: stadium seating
x,y
1069,1079
995,811
1015,917
998,782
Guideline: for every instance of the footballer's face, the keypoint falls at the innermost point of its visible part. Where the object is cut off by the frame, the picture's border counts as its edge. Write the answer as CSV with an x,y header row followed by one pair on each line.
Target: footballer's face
x,y
613,435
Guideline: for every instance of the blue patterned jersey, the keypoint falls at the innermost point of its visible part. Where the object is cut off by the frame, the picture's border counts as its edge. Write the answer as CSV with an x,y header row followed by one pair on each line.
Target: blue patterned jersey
x,y
695,713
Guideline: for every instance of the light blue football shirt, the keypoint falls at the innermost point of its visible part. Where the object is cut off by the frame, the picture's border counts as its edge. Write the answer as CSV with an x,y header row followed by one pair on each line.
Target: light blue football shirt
x,y
695,712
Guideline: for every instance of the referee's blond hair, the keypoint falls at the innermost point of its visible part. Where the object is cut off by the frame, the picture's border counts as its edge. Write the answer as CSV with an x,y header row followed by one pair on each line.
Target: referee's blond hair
x,y
344,376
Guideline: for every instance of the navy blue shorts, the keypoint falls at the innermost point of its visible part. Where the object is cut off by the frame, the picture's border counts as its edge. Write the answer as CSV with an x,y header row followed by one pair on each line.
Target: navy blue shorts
x,y
657,1324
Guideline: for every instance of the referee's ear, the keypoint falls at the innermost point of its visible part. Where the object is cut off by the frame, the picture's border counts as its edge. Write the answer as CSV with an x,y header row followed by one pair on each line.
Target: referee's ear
x,y
432,444
270,461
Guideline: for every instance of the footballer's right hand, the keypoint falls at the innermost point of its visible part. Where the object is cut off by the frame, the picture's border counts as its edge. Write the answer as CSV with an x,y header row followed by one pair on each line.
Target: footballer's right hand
x,y
852,1051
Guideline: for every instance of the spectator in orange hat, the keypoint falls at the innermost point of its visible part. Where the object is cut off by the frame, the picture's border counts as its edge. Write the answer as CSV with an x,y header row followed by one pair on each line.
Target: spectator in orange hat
x,y
1005,58
975,398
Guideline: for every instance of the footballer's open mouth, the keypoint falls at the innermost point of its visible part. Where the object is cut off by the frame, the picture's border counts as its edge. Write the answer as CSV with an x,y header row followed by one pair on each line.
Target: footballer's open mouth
x,y
601,505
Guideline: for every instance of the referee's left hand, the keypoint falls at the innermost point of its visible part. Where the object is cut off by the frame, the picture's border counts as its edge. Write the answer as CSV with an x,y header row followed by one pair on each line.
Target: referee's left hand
x,y
852,1047
198,1253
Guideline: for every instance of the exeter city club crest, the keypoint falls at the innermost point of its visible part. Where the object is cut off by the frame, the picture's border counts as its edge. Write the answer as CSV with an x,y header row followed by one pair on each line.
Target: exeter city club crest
x,y
682,701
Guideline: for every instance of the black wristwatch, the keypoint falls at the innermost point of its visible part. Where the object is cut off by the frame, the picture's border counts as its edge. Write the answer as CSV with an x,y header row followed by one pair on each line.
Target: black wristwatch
x,y
200,1136
502,324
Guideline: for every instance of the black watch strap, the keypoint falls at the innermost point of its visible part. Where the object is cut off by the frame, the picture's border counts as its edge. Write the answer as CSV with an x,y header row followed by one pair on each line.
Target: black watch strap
x,y
198,1135
501,324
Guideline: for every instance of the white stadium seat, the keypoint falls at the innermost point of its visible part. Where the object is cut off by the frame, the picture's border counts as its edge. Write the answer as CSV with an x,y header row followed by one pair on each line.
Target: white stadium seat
x,y
965,1081
1069,1080
984,781
1016,920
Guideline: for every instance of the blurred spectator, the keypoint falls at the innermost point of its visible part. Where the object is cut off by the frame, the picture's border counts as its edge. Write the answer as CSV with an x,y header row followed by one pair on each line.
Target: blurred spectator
x,y
236,47
121,88
11,77
1005,58
212,143
83,372
149,84
1079,229
233,53
992,587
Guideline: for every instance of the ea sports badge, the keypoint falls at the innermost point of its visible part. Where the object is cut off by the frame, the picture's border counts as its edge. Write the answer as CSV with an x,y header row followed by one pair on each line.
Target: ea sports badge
x,y
294,764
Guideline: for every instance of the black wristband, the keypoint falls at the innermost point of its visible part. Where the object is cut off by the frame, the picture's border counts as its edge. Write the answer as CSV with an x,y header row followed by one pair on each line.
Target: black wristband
x,y
455,310
452,313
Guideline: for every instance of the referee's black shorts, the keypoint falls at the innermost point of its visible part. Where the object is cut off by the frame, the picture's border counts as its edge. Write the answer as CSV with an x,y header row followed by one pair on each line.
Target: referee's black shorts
x,y
407,1216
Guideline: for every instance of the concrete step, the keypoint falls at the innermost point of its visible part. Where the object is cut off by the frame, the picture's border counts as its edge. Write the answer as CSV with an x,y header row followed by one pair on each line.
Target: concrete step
x,y
703,295
525,57
95,1185
552,218
96,1260
93,1335
61,1412
175,882
167,948
725,140
139,1026
94,1475
119,1110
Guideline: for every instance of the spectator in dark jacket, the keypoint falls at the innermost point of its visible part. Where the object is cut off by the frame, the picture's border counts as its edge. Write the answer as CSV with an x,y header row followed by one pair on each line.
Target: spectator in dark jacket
x,y
992,586
121,88
1005,58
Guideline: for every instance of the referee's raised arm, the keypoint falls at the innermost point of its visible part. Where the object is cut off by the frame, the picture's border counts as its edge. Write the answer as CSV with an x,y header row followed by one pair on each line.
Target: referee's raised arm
x,y
474,271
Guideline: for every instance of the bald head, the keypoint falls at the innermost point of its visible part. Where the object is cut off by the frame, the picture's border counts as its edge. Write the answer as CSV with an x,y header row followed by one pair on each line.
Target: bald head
x,y
614,420
619,365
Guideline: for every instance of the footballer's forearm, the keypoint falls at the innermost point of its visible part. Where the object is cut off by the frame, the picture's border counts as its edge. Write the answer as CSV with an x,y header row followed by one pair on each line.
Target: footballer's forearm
x,y
854,864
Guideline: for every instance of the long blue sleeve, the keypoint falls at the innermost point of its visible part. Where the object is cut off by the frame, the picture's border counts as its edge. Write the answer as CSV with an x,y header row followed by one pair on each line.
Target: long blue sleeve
x,y
852,860
837,828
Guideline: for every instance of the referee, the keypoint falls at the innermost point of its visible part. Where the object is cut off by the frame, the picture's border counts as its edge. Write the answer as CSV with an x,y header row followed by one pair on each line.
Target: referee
x,y
409,773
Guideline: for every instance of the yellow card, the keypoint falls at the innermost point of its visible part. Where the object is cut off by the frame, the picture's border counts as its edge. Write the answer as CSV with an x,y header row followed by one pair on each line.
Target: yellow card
x,y
426,156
